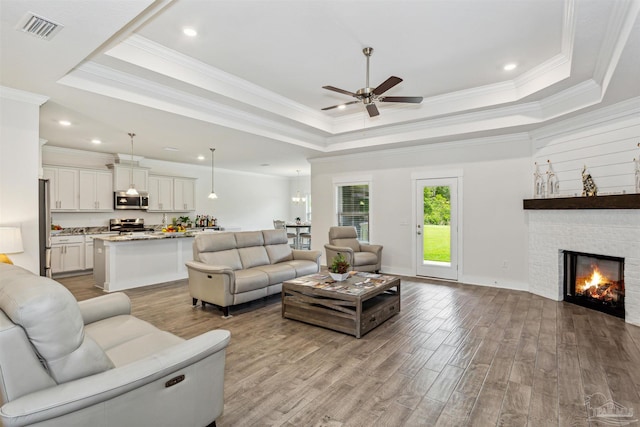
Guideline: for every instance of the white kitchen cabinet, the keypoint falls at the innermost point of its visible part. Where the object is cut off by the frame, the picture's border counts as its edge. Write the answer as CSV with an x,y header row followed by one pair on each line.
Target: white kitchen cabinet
x,y
184,190
160,193
122,177
88,248
67,253
64,188
96,190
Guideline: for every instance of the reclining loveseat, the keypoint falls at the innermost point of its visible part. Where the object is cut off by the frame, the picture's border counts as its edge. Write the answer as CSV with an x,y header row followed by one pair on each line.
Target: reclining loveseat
x,y
90,363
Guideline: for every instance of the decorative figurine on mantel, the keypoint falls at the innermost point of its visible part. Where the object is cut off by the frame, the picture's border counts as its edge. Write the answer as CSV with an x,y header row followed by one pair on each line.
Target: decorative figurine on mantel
x,y
589,188
538,184
553,186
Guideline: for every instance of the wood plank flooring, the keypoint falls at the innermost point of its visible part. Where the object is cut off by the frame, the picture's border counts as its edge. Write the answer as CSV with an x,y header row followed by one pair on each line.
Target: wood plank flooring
x,y
456,355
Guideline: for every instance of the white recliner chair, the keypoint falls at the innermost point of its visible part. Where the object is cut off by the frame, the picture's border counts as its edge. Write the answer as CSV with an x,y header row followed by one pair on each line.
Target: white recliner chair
x,y
90,363
344,239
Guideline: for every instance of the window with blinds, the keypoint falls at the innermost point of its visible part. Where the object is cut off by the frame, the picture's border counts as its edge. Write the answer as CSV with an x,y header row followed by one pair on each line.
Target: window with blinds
x,y
353,208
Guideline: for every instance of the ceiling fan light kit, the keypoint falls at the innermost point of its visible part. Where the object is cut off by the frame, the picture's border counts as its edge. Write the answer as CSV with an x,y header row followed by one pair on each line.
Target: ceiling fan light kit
x,y
369,96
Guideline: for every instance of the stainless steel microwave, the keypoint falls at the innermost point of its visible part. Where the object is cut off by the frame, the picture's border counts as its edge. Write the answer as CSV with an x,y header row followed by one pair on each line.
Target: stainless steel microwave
x,y
121,200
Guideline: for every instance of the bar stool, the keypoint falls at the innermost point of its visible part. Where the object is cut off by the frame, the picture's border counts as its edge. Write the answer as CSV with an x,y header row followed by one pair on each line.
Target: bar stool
x,y
279,224
305,240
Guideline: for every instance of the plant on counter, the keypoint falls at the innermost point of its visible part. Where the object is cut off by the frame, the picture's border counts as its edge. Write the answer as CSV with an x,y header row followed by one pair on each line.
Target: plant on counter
x,y
185,221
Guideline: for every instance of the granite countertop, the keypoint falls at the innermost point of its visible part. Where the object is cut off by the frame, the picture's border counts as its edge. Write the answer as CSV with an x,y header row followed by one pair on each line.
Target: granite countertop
x,y
75,231
157,233
145,236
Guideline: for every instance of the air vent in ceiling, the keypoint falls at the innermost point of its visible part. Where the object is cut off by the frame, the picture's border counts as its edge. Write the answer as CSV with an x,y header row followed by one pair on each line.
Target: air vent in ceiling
x,y
38,26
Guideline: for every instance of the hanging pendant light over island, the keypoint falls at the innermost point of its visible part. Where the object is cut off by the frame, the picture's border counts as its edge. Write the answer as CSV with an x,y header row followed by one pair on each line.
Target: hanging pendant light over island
x,y
213,194
132,187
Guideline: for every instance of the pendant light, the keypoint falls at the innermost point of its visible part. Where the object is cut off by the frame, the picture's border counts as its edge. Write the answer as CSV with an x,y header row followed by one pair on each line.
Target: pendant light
x,y
213,194
298,199
132,187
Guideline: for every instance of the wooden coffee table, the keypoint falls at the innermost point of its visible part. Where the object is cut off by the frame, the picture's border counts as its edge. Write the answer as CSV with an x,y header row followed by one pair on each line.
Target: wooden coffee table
x,y
354,306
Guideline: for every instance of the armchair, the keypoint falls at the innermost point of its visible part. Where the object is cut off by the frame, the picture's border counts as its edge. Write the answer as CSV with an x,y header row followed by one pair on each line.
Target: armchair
x,y
361,257
69,363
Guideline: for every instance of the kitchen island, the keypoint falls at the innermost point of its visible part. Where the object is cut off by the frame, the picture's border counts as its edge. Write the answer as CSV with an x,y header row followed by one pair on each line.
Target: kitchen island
x,y
131,261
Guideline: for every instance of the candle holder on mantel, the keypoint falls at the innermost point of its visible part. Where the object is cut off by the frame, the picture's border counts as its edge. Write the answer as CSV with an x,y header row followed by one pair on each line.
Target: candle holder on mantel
x,y
553,186
538,184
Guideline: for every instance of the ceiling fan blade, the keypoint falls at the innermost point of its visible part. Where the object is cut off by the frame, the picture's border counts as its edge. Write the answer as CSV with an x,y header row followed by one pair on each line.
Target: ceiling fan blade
x,y
386,85
373,110
340,105
335,89
409,99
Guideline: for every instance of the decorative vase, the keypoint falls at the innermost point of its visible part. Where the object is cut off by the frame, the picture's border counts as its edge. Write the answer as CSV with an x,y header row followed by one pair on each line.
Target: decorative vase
x,y
339,277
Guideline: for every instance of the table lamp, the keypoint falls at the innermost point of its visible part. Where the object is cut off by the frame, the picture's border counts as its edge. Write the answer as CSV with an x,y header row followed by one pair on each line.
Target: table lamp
x,y
10,243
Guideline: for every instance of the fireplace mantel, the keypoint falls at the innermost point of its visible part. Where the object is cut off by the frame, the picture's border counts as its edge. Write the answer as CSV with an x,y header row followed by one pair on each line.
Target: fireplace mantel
x,y
613,201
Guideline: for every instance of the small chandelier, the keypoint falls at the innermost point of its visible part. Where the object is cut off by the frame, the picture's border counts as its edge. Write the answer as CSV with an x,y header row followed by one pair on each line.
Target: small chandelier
x,y
132,187
213,194
298,199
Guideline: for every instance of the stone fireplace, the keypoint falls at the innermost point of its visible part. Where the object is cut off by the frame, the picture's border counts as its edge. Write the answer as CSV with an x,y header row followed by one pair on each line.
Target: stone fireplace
x,y
613,233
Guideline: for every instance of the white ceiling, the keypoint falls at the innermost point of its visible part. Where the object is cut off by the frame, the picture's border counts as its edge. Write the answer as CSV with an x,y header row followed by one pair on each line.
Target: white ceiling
x,y
250,84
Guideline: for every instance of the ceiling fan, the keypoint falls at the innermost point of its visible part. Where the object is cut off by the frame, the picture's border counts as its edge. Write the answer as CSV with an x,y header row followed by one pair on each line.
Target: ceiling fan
x,y
369,96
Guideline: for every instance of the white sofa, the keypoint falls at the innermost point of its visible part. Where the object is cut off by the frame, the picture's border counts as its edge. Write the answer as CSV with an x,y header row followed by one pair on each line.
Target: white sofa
x,y
90,363
235,267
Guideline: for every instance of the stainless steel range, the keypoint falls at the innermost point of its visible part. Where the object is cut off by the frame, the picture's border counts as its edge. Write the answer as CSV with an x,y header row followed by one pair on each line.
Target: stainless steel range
x,y
128,225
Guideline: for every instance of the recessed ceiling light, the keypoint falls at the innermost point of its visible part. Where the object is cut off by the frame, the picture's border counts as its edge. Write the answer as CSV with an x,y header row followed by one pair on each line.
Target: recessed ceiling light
x,y
342,107
510,67
200,157
190,32
64,123
96,141
170,149
265,164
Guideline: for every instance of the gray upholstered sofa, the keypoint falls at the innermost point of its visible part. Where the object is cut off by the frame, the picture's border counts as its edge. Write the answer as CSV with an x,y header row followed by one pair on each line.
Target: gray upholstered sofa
x,y
90,363
231,268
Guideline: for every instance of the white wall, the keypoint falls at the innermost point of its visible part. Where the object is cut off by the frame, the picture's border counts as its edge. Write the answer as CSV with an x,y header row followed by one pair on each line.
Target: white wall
x,y
19,170
495,181
606,141
246,201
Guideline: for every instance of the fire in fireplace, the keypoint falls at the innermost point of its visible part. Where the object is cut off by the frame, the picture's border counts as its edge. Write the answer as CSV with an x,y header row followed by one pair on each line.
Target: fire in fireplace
x,y
594,281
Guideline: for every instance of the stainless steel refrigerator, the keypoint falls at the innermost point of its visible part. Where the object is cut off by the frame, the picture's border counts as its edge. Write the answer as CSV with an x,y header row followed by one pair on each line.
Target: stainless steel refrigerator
x,y
44,225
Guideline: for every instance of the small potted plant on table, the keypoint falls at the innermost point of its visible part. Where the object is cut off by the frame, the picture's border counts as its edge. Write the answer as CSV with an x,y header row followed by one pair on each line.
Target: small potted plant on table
x,y
339,268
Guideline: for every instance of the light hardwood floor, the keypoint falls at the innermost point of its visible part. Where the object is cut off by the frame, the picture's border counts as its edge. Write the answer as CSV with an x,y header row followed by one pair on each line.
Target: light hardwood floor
x,y
456,355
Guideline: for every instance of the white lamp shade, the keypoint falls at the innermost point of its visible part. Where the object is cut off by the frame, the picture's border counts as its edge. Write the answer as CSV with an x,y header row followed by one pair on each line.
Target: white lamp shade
x,y
10,240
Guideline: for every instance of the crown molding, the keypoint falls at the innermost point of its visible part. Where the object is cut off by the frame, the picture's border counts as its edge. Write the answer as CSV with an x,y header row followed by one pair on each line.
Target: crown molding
x,y
97,78
22,96
540,77
450,115
160,59
522,137
78,155
619,28
568,28
629,109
